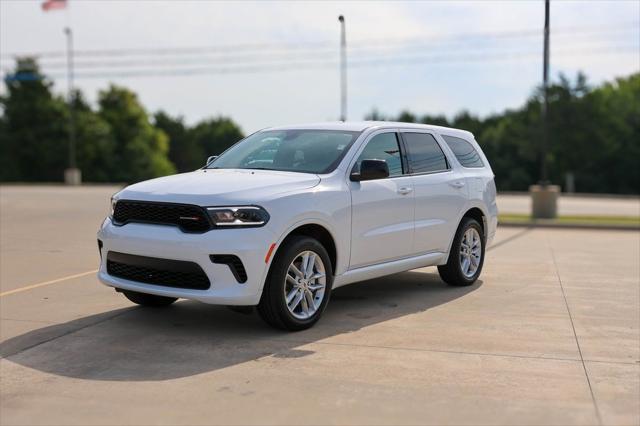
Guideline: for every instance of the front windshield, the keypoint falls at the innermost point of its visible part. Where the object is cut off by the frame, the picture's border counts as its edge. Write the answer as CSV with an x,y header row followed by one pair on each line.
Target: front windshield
x,y
294,150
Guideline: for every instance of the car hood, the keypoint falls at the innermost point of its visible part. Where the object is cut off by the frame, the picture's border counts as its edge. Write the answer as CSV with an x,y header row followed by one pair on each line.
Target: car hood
x,y
219,186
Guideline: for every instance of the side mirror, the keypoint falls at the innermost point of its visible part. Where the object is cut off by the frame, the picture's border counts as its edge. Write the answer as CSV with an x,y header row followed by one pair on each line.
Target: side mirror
x,y
210,159
371,169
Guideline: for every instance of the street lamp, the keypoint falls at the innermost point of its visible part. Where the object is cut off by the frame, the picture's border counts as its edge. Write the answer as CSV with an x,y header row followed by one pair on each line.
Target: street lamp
x,y
72,175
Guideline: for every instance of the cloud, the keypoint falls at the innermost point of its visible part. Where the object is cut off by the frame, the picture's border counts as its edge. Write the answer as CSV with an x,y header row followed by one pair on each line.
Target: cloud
x,y
433,84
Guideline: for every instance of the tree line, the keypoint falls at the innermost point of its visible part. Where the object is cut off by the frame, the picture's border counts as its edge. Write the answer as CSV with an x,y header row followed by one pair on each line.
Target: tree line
x,y
119,141
594,135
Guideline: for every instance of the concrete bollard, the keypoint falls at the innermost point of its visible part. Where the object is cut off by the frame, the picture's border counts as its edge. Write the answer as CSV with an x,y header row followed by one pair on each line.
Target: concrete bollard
x,y
544,201
73,177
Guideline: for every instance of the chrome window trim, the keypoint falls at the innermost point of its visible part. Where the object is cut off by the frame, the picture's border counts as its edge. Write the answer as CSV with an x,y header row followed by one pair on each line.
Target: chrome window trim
x,y
431,173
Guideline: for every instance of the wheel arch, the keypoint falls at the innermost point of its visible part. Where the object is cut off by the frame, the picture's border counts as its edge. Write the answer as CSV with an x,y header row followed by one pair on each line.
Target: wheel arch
x,y
474,212
479,216
319,232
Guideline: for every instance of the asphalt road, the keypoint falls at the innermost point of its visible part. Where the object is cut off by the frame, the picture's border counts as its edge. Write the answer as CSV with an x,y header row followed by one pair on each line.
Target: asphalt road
x,y
549,336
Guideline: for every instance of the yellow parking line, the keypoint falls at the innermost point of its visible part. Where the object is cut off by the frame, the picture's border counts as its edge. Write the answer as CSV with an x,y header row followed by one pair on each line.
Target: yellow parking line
x,y
31,287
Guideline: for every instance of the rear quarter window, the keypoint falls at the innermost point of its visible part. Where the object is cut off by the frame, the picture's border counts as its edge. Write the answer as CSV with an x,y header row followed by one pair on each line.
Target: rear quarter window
x,y
464,152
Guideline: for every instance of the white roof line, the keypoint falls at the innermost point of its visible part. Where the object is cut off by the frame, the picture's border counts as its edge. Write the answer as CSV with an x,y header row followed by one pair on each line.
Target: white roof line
x,y
366,125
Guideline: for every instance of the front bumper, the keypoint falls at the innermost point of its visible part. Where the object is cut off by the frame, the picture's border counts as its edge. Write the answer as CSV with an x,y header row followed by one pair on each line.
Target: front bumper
x,y
168,242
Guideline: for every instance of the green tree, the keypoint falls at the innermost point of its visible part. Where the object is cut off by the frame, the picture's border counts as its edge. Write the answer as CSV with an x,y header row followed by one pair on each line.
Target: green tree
x,y
34,139
7,167
593,134
465,120
139,149
184,152
436,120
375,115
614,162
508,144
215,135
94,143
406,117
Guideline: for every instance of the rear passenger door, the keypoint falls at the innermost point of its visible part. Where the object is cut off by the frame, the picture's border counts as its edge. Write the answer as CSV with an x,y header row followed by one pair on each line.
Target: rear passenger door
x,y
440,192
381,209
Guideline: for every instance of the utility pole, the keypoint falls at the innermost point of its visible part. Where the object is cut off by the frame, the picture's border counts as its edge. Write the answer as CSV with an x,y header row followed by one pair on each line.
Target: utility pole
x,y
72,175
544,196
343,69
544,179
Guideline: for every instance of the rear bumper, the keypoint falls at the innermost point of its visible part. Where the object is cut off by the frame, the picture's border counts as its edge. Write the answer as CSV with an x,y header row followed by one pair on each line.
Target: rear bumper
x,y
167,242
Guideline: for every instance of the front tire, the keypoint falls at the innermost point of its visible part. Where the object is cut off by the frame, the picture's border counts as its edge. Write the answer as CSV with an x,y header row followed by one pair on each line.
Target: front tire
x,y
298,285
145,299
466,256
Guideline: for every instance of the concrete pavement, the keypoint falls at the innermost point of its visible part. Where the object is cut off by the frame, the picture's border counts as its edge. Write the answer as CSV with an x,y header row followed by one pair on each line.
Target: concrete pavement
x,y
549,336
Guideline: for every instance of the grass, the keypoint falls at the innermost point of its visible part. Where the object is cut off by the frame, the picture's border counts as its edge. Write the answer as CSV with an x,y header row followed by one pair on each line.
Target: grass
x,y
633,221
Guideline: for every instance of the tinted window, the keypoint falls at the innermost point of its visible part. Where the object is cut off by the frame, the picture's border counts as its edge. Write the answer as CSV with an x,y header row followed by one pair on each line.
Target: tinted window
x,y
383,147
424,153
296,150
464,152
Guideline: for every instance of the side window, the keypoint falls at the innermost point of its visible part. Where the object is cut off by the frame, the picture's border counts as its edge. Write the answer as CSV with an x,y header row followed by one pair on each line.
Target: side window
x,y
424,153
464,152
383,147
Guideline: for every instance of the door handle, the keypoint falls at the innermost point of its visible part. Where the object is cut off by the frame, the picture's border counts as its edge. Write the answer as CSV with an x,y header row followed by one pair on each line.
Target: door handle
x,y
457,184
404,190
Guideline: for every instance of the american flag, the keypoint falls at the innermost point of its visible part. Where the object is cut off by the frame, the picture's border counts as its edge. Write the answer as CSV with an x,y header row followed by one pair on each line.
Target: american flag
x,y
54,5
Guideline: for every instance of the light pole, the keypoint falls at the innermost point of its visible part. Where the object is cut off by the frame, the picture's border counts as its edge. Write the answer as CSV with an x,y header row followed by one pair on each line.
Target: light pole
x,y
72,175
343,69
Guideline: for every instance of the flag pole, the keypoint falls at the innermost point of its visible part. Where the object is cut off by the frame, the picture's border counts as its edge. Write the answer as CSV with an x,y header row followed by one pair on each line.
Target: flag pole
x,y
343,70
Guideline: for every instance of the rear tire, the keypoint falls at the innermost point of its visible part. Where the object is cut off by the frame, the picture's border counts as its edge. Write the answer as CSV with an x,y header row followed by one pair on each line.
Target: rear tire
x,y
466,256
145,299
294,298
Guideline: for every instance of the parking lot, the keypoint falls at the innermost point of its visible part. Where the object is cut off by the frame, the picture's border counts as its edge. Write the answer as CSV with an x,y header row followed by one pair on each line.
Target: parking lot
x,y
550,335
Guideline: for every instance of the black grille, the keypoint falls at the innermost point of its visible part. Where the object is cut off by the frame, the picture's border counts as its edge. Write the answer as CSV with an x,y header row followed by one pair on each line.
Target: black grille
x,y
188,218
234,263
153,270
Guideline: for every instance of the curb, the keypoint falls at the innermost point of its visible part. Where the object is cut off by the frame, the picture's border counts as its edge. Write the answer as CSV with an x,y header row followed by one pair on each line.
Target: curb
x,y
544,224
591,195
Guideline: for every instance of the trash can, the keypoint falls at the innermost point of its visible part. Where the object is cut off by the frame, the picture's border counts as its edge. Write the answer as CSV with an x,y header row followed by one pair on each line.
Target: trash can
x,y
544,201
72,177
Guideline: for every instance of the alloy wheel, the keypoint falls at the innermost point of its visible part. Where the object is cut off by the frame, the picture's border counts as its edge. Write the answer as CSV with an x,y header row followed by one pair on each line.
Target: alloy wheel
x,y
305,285
470,252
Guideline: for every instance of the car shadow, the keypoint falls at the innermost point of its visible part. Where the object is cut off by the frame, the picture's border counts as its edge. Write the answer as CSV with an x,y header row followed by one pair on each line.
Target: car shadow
x,y
189,338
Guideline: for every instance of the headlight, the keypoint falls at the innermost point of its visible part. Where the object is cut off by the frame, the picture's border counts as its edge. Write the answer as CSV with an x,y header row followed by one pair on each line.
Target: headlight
x,y
238,216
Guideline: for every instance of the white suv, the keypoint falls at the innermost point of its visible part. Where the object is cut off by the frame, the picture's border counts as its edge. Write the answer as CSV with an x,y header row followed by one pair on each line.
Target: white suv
x,y
289,213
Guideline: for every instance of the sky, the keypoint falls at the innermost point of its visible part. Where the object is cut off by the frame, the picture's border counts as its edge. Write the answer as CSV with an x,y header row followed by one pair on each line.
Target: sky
x,y
274,63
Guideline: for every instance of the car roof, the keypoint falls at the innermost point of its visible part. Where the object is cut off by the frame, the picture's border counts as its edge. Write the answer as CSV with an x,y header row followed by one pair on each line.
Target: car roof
x,y
359,126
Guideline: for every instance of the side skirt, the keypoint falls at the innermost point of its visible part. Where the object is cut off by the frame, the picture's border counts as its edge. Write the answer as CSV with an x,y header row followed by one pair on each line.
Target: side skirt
x,y
388,268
